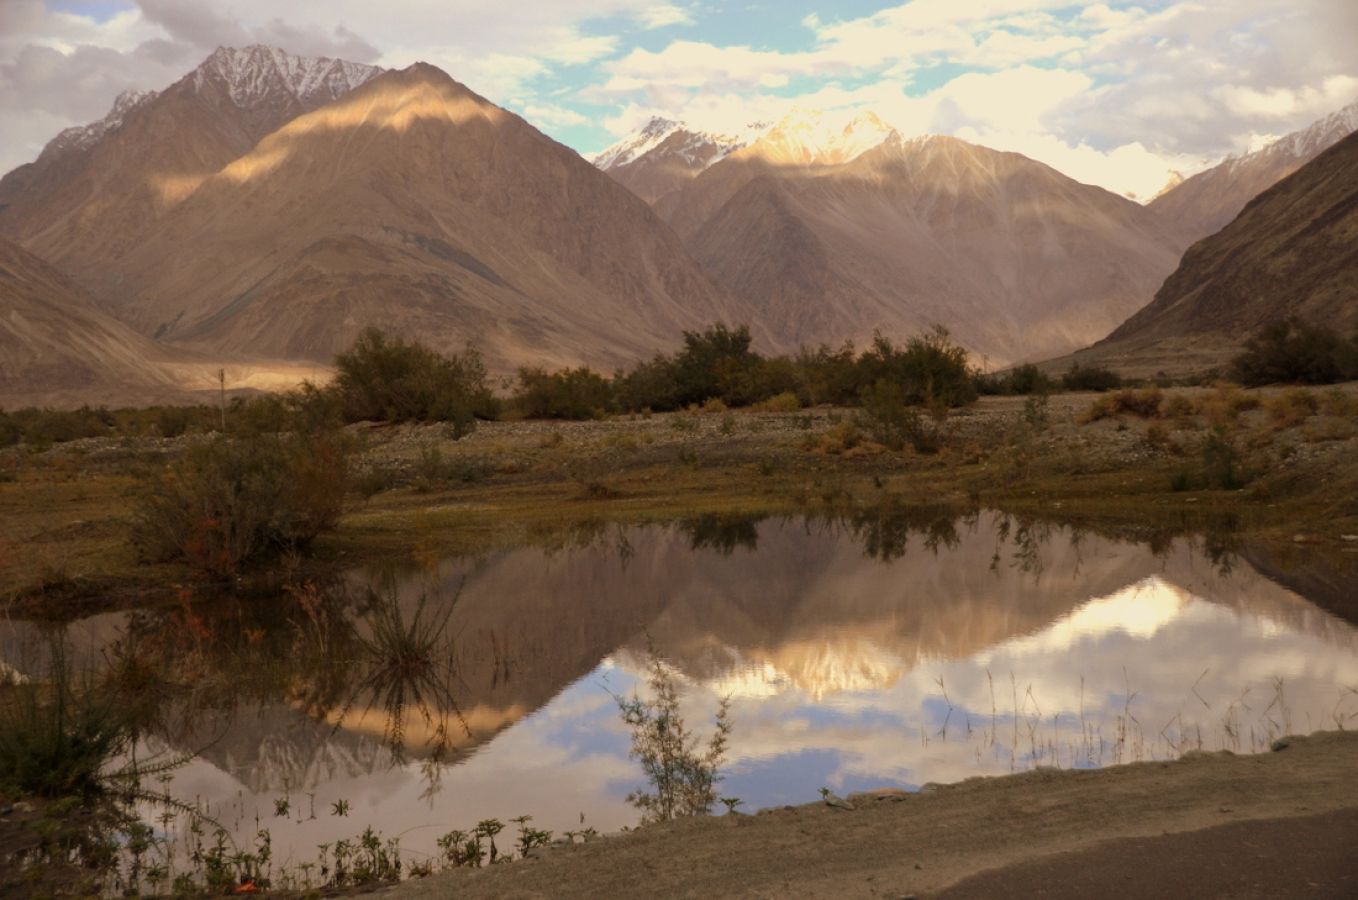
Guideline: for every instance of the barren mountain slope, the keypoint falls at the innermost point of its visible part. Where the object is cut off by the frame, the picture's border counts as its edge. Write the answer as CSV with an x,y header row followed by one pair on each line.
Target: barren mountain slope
x,y
1293,251
1207,202
415,205
1016,259
54,342
95,191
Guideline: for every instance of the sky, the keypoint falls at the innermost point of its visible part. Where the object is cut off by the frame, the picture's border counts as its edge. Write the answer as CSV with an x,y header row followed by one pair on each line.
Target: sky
x,y
1118,94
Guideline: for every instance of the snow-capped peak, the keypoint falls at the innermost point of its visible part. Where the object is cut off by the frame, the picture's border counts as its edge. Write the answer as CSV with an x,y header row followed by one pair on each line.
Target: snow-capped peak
x,y
1308,142
813,137
82,137
698,148
252,74
637,144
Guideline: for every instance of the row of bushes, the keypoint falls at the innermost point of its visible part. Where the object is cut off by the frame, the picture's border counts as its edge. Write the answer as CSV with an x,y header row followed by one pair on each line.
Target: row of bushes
x,y
718,364
1030,380
388,379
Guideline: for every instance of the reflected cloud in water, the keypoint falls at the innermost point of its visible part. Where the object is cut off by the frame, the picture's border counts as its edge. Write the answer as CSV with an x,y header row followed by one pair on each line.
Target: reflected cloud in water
x,y
858,652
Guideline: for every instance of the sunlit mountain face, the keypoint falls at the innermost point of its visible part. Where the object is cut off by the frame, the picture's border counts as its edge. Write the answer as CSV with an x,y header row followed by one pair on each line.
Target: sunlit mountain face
x,y
879,650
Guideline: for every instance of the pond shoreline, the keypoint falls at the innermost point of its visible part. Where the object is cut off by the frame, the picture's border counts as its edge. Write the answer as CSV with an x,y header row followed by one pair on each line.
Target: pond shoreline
x,y
1046,823
64,550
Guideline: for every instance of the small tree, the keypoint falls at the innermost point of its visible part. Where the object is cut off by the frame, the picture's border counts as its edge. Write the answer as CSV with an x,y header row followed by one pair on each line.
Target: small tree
x,y
683,778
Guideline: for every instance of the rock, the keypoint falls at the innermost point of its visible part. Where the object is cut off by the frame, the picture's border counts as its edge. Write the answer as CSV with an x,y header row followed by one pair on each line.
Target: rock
x,y
834,800
931,787
23,807
1281,743
1299,538
1351,538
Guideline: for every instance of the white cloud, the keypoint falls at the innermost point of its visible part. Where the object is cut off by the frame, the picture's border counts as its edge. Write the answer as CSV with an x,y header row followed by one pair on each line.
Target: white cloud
x,y
663,15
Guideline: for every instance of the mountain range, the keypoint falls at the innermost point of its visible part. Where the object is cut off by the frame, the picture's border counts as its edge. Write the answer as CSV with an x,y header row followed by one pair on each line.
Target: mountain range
x,y
1293,250
834,234
265,208
1208,201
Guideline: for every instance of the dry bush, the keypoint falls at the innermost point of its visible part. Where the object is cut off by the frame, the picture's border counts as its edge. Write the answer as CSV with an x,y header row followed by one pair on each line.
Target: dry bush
x,y
785,402
232,501
1329,429
710,405
1340,404
1292,407
622,441
838,440
1225,403
1143,402
1177,406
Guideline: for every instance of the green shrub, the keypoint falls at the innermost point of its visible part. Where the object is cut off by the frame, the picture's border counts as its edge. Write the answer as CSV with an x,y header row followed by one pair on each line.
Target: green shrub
x,y
827,376
1296,352
1025,379
11,432
885,416
572,394
1090,378
1221,462
389,380
930,369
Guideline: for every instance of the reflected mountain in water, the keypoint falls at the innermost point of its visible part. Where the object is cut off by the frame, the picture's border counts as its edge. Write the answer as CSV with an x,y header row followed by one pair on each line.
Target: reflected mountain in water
x,y
896,648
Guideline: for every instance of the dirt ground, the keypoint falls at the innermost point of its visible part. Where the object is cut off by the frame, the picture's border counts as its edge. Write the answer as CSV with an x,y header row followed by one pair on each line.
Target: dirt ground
x,y
1281,824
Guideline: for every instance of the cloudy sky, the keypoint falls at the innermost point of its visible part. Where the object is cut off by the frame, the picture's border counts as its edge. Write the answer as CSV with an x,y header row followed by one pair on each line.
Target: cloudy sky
x,y
1113,93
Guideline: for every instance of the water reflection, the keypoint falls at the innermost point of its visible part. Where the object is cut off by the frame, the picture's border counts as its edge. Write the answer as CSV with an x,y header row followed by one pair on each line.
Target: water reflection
x,y
858,652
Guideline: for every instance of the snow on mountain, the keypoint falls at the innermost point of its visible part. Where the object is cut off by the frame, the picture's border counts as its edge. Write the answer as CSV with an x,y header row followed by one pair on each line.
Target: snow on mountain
x,y
701,148
803,137
812,137
1305,144
82,137
637,144
1207,202
251,74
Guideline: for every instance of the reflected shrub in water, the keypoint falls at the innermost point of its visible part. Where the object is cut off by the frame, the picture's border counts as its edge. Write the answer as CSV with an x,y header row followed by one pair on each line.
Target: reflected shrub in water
x,y
229,502
683,776
723,533
57,737
406,664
